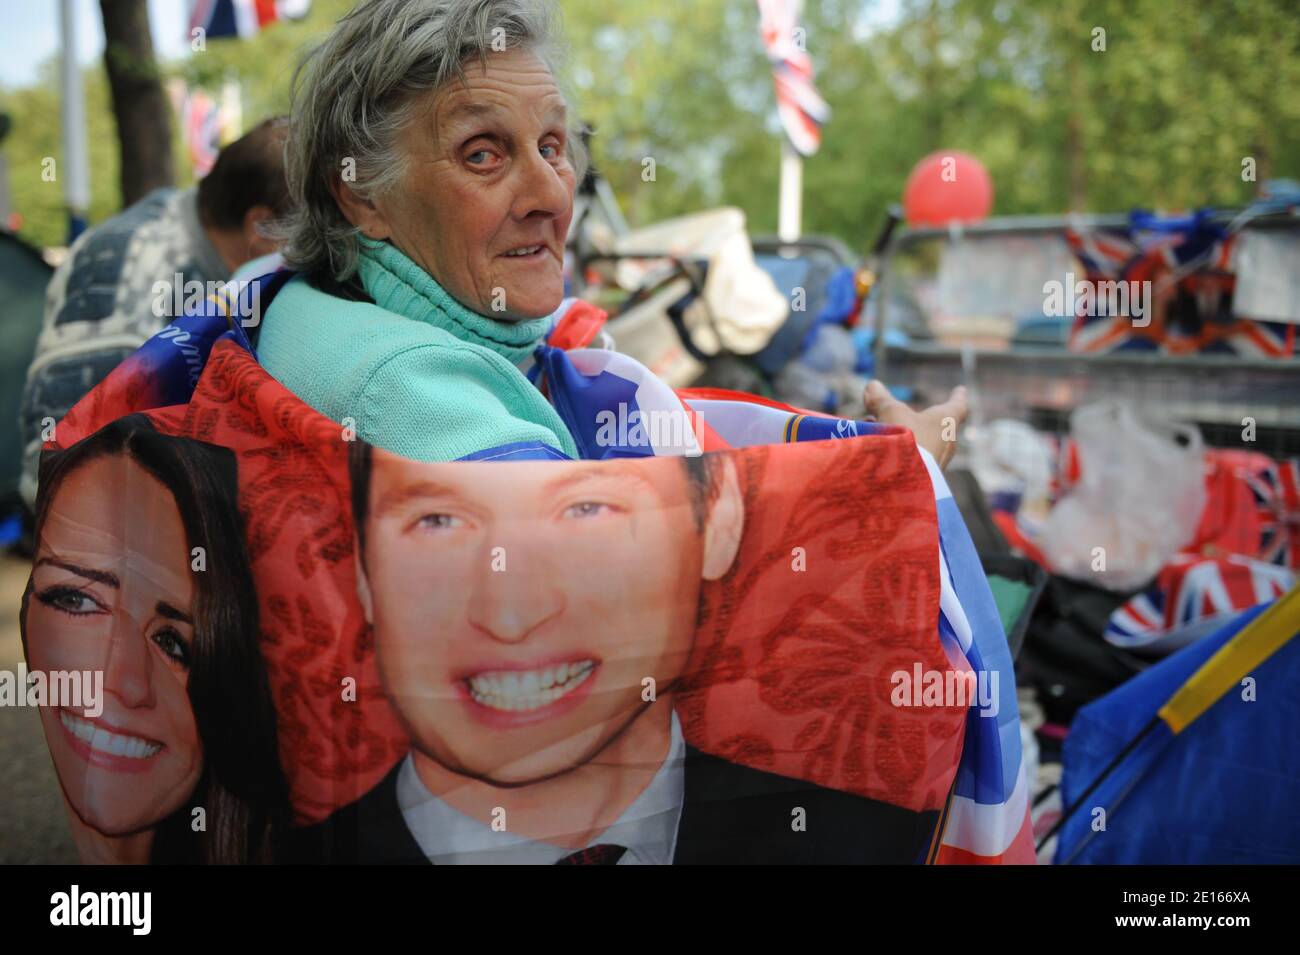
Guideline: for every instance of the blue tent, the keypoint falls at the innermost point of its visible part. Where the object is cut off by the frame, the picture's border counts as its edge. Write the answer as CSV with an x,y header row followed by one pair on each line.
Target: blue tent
x,y
1196,760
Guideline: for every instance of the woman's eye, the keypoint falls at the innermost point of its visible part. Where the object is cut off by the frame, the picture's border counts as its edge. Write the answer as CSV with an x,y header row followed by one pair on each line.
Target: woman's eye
x,y
173,644
480,157
586,509
70,600
554,151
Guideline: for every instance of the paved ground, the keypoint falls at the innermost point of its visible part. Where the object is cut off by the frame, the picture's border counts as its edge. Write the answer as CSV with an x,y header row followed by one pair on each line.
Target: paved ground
x,y
32,823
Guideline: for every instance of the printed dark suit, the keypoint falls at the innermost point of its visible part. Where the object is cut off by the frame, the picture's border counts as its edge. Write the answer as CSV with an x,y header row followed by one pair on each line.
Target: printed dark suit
x,y
731,815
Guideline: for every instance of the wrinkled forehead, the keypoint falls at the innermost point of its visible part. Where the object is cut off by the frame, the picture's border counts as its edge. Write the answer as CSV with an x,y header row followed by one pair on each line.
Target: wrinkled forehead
x,y
510,85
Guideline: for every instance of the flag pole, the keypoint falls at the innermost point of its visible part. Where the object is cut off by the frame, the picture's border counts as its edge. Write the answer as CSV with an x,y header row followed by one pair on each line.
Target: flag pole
x,y
800,107
232,108
790,221
791,198
76,168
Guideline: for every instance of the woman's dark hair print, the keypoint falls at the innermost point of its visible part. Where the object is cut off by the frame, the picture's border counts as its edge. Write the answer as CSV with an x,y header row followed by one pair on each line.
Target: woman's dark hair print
x,y
240,786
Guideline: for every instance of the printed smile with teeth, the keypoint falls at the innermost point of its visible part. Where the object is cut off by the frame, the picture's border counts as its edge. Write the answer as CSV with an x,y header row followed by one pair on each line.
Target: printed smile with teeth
x,y
132,747
526,251
518,690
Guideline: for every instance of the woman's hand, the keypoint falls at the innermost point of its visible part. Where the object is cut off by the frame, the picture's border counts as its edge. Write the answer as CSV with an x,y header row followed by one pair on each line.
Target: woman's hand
x,y
935,428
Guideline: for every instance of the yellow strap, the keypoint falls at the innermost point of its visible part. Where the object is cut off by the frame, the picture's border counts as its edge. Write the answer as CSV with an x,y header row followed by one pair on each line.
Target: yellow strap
x,y
225,309
1243,653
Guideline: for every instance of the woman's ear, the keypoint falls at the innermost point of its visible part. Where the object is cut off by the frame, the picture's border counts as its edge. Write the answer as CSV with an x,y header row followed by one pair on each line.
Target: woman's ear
x,y
726,523
361,212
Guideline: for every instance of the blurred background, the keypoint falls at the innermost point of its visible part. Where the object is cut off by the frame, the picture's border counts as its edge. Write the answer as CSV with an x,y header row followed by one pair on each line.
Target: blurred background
x,y
1161,119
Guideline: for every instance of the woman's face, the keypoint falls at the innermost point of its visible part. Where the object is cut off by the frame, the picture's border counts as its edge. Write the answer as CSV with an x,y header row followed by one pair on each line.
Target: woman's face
x,y
488,176
112,591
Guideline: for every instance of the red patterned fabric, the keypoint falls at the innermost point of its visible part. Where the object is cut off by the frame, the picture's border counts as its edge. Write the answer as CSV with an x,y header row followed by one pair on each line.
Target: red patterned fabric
x,y
791,671
821,696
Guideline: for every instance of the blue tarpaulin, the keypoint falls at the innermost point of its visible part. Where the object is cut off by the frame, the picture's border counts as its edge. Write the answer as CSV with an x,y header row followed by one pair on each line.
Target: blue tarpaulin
x,y
1222,791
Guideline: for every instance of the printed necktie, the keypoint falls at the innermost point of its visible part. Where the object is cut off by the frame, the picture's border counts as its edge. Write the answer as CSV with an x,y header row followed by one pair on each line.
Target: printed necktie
x,y
603,853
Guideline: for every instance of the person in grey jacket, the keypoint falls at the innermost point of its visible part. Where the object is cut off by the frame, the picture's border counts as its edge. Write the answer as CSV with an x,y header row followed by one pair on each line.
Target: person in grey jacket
x,y
122,279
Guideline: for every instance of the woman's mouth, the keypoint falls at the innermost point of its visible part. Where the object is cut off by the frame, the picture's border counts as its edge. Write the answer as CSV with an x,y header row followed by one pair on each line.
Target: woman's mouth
x,y
107,748
527,253
507,698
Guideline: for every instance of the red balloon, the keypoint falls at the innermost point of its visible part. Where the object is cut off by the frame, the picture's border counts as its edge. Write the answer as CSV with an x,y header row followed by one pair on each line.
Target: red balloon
x,y
947,186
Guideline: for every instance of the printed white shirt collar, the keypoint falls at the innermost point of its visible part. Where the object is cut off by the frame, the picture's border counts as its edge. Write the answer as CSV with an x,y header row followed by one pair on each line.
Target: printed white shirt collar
x,y
648,827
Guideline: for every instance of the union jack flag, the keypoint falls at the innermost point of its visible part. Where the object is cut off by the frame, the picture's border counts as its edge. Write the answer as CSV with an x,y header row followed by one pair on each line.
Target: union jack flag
x,y
1103,255
202,120
1276,487
1190,315
242,18
802,110
1193,596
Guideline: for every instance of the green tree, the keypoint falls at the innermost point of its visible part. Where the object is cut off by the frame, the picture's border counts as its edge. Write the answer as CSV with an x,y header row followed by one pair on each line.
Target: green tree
x,y
1161,118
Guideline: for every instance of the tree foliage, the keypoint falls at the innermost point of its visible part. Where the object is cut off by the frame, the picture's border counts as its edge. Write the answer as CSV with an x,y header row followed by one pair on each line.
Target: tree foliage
x,y
1162,117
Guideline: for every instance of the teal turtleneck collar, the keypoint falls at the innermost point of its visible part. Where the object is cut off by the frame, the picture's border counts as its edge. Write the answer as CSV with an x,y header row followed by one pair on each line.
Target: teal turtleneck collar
x,y
398,285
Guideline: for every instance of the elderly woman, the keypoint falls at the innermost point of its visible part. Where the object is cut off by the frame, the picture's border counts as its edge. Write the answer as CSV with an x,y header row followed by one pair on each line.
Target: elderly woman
x,y
433,160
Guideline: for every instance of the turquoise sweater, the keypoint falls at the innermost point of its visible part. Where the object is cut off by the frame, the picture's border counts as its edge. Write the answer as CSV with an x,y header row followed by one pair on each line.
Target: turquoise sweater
x,y
419,374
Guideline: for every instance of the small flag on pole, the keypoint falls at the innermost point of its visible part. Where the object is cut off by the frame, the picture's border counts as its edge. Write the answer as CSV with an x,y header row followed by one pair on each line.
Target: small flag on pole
x,y
803,111
242,18
201,118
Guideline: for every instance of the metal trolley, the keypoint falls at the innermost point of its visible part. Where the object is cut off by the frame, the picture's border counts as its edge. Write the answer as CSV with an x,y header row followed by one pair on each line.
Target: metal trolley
x,y
1034,377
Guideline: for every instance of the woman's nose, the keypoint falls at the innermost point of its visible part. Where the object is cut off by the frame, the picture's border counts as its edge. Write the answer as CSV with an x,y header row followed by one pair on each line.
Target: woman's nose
x,y
128,670
542,191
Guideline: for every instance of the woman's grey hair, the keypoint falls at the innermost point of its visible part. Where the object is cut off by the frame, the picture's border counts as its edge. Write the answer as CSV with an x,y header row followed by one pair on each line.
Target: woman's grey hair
x,y
354,94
